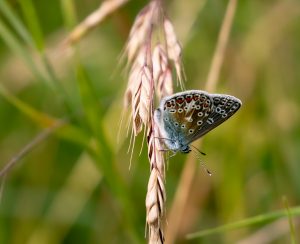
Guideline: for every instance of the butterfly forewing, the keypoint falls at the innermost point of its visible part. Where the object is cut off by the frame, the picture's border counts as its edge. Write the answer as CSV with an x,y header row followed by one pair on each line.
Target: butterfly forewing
x,y
187,113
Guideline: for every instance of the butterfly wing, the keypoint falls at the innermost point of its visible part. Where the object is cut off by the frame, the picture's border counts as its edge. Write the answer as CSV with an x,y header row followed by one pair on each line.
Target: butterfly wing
x,y
184,113
222,108
189,115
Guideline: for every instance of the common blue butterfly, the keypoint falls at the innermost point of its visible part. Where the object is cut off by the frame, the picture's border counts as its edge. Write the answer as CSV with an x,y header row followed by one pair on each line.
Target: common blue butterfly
x,y
186,116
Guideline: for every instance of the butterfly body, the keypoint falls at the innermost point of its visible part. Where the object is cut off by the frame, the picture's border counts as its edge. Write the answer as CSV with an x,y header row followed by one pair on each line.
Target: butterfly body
x,y
186,116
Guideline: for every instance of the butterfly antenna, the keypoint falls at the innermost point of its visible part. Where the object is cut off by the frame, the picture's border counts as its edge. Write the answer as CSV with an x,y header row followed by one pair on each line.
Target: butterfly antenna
x,y
202,153
206,169
198,155
203,165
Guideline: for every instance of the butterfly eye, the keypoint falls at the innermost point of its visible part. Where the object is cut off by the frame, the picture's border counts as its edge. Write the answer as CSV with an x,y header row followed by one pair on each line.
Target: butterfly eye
x,y
198,107
200,114
183,126
185,108
166,119
191,131
180,110
172,111
176,124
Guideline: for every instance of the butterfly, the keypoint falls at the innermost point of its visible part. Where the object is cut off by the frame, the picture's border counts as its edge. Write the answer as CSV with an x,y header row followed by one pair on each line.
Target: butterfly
x,y
186,116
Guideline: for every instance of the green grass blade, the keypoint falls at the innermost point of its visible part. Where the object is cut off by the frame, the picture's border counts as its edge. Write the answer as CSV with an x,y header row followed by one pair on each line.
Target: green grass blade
x,y
291,224
68,202
89,100
32,21
63,95
16,23
68,12
22,31
260,219
103,153
14,44
68,132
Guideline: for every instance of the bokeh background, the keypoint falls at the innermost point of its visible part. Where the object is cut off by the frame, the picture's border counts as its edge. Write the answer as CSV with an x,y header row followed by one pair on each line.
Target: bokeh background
x,y
76,187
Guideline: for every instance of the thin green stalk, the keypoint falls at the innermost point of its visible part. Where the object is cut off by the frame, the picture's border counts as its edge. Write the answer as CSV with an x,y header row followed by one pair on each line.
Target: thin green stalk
x,y
21,30
14,44
103,153
16,23
260,219
63,95
32,21
68,132
69,13
289,214
119,188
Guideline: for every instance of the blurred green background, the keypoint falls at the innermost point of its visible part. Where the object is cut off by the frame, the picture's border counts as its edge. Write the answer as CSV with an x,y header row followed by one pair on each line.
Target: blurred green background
x,y
76,186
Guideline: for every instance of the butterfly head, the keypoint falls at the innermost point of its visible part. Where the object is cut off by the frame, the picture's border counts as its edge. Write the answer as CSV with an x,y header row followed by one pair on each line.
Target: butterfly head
x,y
185,149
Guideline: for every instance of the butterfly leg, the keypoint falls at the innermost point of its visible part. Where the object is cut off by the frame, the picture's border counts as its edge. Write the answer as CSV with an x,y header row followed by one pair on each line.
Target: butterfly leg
x,y
168,150
163,149
173,154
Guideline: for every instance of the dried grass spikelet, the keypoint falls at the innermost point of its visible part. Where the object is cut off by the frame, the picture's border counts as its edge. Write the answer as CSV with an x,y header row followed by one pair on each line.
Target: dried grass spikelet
x,y
140,30
95,18
139,91
162,73
174,50
156,192
150,75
